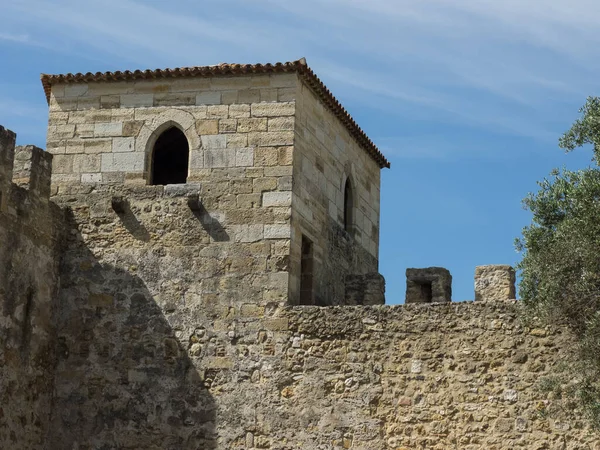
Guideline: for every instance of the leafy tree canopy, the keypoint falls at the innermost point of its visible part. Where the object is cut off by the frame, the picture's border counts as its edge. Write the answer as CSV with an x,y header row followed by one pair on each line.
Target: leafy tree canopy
x,y
560,269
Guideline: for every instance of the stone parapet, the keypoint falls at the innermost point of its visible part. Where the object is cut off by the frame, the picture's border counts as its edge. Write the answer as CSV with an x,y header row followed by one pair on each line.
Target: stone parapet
x,y
33,170
365,289
428,285
495,282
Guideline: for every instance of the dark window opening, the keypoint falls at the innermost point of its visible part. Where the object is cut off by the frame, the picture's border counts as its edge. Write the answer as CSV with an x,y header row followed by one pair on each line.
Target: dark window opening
x,y
170,158
348,204
306,273
426,292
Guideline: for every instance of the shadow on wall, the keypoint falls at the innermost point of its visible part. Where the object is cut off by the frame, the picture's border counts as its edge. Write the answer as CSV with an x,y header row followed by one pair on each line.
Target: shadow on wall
x,y
123,379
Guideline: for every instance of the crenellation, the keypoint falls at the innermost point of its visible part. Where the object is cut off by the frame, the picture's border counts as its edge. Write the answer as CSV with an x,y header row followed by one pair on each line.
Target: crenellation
x,y
33,170
7,158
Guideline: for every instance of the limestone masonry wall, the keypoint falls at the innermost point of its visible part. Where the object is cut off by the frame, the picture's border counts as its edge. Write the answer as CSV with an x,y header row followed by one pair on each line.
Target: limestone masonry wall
x,y
325,156
104,131
135,316
159,346
29,267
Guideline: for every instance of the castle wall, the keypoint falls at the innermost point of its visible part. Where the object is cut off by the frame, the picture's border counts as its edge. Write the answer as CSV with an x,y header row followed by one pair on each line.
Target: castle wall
x,y
29,244
140,288
325,155
237,127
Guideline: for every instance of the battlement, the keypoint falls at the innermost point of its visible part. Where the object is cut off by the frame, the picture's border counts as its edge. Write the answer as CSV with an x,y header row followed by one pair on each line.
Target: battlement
x,y
33,170
7,157
27,167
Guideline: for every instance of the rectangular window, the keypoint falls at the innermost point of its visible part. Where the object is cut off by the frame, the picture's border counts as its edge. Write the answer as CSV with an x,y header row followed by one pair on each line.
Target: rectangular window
x,y
306,273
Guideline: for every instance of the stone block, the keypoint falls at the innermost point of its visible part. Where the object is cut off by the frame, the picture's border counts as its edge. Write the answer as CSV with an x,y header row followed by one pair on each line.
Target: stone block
x,y
75,90
277,231
227,125
277,199
217,111
208,98
281,124
137,100
131,128
174,99
214,141
428,285
266,156
219,158
264,184
244,157
237,140
229,97
248,233
56,132
62,164
84,103
86,163
285,155
495,282
97,145
271,138
252,124
110,101
91,178
123,145
122,162
108,129
239,111
207,126
249,96
273,109
365,289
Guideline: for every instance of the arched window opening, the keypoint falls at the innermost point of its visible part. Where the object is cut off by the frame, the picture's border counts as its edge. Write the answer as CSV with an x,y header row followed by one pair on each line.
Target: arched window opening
x,y
348,206
170,158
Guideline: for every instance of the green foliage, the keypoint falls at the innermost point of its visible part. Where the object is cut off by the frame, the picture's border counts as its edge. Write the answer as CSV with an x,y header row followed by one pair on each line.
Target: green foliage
x,y
560,269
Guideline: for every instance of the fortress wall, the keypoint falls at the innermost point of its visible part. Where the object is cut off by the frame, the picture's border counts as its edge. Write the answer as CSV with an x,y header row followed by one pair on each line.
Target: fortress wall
x,y
150,359
325,155
29,244
139,289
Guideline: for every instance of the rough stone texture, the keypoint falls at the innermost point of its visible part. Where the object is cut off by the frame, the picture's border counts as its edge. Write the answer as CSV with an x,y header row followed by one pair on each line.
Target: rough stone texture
x,y
495,282
29,246
151,317
429,285
269,132
325,156
367,289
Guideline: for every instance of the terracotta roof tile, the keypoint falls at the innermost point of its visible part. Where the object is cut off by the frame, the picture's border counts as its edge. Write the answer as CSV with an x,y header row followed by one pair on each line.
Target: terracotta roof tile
x,y
299,67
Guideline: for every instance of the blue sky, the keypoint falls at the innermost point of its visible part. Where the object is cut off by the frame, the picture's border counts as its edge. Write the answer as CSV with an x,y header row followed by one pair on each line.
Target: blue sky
x,y
466,98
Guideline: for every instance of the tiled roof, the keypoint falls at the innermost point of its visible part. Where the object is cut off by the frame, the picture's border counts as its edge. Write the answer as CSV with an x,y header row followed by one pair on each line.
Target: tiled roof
x,y
299,67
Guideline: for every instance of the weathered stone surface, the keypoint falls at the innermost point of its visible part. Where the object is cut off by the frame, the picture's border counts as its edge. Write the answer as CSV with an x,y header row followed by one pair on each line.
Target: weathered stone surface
x,y
367,289
160,317
30,230
495,282
429,285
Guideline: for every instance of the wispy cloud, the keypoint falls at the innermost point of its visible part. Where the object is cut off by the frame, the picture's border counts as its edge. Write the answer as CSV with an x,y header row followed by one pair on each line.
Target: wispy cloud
x,y
20,38
483,63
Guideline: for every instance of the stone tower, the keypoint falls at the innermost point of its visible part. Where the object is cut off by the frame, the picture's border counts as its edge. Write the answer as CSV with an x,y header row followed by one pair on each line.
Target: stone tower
x,y
271,155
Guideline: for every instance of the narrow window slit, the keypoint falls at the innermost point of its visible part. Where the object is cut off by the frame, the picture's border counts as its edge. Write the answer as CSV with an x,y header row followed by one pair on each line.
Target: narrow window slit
x,y
306,272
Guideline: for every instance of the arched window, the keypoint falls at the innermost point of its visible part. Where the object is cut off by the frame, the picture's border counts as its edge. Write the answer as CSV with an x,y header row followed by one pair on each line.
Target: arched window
x,y
170,158
348,206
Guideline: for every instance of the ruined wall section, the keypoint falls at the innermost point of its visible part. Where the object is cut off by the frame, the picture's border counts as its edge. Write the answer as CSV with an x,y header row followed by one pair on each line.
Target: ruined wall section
x,y
325,155
29,272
